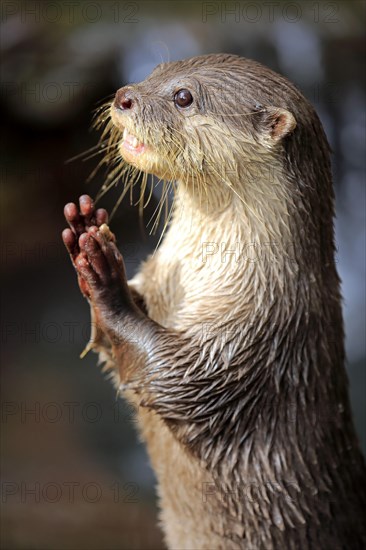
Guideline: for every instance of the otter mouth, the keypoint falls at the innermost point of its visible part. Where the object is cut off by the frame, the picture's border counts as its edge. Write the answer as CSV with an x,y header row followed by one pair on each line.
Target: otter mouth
x,y
133,149
132,144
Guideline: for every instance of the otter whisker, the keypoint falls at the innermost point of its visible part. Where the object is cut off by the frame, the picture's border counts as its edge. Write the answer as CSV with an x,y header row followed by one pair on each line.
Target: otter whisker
x,y
112,179
157,212
150,192
165,192
99,148
166,223
127,187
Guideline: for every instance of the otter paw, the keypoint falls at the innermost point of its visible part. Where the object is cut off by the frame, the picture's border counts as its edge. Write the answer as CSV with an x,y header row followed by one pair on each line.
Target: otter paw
x,y
80,220
100,264
99,259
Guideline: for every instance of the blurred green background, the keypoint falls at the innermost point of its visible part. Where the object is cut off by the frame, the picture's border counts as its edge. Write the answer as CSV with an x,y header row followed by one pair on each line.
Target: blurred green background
x,y
74,475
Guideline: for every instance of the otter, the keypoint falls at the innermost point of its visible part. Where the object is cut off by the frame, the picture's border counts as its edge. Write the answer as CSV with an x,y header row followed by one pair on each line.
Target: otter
x,y
230,338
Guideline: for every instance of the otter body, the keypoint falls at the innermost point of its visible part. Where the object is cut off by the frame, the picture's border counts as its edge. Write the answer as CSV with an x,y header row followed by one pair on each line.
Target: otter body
x,y
236,359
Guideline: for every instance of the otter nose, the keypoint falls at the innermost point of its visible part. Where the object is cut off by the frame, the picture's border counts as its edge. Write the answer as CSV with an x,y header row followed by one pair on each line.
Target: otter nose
x,y
124,99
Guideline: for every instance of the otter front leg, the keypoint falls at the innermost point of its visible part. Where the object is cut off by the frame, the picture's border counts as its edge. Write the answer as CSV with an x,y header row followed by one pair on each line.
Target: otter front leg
x,y
82,220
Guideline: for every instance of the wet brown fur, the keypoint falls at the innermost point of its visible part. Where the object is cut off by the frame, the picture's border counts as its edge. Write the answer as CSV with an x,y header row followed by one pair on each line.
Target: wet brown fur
x,y
239,365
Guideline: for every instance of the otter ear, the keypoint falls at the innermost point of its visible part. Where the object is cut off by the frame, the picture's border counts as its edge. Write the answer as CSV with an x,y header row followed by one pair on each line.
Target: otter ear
x,y
275,124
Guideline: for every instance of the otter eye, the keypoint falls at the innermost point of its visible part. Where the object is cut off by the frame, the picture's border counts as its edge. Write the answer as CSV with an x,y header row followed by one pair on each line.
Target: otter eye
x,y
183,98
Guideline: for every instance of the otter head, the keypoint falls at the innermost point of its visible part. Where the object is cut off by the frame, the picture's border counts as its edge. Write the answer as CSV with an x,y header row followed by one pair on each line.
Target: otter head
x,y
227,124
190,116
